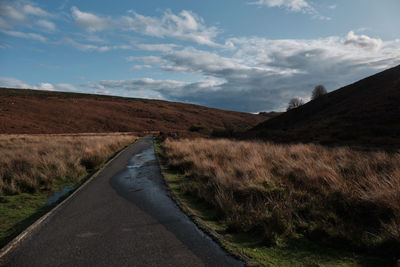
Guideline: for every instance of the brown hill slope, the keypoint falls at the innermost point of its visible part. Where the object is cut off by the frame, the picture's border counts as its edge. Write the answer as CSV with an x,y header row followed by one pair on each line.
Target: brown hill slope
x,y
365,113
33,111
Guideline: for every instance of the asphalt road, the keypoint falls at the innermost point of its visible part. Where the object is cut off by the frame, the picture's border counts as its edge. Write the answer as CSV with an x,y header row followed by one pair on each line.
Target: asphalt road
x,y
123,217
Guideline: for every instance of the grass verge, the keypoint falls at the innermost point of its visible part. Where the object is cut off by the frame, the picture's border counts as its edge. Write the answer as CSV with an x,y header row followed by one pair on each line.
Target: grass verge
x,y
19,209
250,246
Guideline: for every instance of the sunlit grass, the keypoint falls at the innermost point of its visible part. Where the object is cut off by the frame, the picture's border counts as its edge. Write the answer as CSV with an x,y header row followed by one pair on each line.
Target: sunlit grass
x,y
29,163
32,167
286,194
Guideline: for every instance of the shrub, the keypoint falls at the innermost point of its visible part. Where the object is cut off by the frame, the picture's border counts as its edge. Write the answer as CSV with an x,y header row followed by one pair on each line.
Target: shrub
x,y
200,128
222,132
295,103
318,91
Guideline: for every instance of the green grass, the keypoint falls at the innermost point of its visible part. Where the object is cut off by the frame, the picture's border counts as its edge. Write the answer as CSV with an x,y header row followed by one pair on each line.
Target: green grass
x,y
297,252
18,212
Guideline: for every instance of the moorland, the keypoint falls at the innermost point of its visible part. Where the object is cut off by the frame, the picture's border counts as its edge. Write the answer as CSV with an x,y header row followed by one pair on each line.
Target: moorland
x,y
317,185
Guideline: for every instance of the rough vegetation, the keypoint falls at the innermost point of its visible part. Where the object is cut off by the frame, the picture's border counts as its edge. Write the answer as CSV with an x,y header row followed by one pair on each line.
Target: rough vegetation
x,y
336,196
44,112
363,114
29,163
318,91
295,103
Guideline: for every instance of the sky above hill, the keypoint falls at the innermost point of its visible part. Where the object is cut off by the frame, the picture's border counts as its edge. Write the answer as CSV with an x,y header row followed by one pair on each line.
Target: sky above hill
x,y
244,55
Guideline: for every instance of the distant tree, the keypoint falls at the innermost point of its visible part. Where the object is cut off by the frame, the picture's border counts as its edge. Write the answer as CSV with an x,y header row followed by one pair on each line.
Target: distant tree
x,y
295,103
318,91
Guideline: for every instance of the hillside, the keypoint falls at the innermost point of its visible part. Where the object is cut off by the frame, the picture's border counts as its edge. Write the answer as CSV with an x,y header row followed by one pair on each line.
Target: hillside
x,y
33,111
365,113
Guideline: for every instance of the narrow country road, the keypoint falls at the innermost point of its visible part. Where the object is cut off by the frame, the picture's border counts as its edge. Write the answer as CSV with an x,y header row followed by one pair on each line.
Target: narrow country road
x,y
123,217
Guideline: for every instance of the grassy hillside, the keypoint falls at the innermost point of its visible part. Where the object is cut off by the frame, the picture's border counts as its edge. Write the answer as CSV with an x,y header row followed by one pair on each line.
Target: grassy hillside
x,y
366,113
33,111
293,202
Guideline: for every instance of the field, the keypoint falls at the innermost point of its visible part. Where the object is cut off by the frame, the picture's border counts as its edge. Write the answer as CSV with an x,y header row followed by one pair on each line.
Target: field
x,y
44,112
33,167
287,194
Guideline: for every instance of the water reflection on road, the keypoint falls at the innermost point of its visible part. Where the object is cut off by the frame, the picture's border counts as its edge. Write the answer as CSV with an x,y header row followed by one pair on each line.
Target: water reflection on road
x,y
142,184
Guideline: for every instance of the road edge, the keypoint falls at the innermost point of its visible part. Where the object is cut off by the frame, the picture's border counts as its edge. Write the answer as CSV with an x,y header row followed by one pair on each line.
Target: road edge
x,y
19,238
200,223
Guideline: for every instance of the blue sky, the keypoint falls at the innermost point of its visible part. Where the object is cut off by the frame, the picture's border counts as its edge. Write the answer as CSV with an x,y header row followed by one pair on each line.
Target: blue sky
x,y
244,55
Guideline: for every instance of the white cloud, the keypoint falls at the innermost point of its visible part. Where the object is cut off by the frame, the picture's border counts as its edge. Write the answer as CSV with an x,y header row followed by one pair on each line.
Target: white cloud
x,y
186,26
156,47
16,13
17,16
45,86
209,64
33,36
11,13
10,82
94,38
97,48
261,74
363,41
36,11
46,25
139,84
292,5
122,47
89,21
88,47
139,67
4,46
145,87
166,89
147,59
65,87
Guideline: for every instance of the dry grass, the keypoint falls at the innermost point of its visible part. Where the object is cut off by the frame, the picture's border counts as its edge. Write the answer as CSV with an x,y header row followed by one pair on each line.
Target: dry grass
x,y
281,191
29,163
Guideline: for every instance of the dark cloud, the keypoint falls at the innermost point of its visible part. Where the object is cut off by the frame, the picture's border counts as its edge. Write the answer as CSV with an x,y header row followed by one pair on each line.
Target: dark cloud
x,y
262,74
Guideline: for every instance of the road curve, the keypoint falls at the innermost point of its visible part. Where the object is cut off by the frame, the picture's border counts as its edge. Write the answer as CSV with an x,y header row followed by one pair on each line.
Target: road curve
x,y
123,217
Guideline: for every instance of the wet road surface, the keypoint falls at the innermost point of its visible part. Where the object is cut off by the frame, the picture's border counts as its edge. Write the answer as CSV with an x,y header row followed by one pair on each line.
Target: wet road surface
x,y
123,217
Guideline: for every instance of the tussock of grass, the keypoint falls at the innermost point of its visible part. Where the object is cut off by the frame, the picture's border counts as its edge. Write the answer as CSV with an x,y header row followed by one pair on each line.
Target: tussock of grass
x,y
30,163
33,166
334,196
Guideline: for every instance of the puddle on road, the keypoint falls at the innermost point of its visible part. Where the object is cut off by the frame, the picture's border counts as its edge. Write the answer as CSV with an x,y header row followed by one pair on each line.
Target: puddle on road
x,y
132,178
57,195
140,159
139,184
142,184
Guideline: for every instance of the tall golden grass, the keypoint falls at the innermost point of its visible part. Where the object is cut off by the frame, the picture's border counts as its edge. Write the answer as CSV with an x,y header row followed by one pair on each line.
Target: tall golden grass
x,y
284,191
29,163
